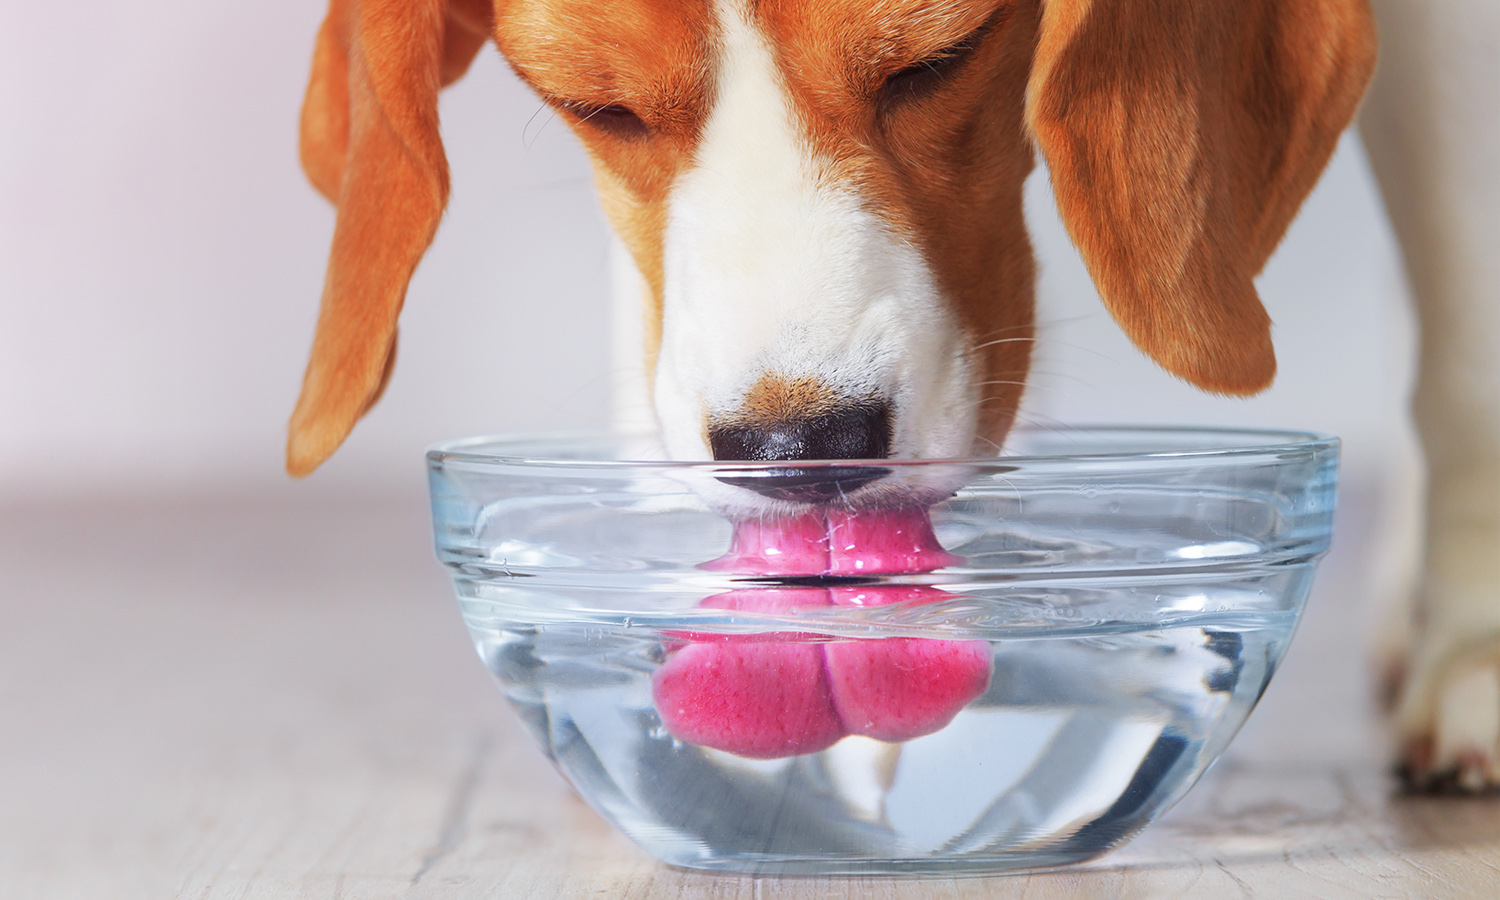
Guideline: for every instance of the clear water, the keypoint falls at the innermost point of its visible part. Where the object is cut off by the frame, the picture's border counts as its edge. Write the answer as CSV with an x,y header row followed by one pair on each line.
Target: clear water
x,y
1134,588
1089,729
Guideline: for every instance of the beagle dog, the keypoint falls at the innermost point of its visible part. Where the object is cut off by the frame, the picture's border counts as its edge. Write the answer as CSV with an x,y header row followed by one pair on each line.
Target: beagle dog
x,y
823,198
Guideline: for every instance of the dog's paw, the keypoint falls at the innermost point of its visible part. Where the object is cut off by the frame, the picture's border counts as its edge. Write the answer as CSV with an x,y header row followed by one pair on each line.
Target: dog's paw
x,y
1449,719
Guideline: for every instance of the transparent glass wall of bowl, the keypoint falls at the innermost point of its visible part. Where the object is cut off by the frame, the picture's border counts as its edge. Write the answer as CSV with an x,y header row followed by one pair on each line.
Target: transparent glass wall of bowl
x,y
1135,589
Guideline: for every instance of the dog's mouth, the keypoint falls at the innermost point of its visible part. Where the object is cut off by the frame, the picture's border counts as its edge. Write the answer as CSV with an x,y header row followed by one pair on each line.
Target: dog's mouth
x,y
801,484
875,491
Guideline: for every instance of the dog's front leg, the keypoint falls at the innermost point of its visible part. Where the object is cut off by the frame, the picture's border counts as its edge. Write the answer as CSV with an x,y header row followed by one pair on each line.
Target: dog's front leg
x,y
1433,134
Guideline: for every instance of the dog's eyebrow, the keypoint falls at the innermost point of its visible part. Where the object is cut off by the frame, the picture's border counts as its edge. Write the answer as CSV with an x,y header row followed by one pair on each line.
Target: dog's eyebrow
x,y
969,42
580,90
902,48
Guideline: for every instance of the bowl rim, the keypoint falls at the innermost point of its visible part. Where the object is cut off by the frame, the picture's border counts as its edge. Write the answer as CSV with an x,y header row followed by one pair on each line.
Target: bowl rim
x,y
1268,442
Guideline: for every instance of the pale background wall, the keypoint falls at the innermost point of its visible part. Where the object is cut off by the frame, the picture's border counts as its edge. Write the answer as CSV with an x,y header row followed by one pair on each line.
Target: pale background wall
x,y
161,258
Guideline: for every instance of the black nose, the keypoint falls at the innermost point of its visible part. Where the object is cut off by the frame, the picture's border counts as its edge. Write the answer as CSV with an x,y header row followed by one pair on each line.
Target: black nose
x,y
856,431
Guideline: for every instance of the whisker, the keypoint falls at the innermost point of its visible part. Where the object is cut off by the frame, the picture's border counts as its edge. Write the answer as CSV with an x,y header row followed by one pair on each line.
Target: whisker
x,y
998,341
526,142
1004,329
1028,385
1068,376
993,444
1046,343
551,117
1036,325
1051,423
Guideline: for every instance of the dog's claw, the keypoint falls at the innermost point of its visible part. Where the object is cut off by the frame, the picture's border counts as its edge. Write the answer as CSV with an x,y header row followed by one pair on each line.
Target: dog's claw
x,y
1475,772
1472,772
1451,720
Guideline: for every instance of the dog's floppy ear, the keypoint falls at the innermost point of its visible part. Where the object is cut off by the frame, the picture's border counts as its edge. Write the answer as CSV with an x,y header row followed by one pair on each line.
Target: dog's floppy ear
x,y
370,144
1182,136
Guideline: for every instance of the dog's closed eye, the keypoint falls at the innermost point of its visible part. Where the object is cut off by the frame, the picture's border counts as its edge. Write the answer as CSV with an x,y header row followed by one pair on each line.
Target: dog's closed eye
x,y
923,77
612,119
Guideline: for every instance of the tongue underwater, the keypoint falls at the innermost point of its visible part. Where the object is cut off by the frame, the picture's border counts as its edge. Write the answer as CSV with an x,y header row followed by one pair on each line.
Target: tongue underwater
x,y
768,696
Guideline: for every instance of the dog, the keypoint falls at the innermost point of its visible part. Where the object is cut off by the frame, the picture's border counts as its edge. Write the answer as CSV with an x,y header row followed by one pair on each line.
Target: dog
x,y
821,204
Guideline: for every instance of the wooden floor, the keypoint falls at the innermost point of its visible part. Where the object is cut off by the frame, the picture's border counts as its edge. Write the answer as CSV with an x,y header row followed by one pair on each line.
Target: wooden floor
x,y
275,698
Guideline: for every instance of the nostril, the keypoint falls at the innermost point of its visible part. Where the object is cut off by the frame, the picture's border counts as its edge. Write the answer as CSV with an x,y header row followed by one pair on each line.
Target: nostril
x,y
857,431
860,431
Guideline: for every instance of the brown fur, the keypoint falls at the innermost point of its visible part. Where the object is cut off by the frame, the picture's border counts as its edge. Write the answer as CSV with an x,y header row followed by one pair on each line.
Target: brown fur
x,y
370,143
775,398
1182,135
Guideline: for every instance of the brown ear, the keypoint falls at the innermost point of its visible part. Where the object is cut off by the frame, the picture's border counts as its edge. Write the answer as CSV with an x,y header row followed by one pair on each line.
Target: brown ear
x,y
370,144
1182,136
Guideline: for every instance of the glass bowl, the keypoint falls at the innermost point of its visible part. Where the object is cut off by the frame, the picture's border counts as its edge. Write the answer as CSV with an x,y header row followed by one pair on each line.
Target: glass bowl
x,y
849,667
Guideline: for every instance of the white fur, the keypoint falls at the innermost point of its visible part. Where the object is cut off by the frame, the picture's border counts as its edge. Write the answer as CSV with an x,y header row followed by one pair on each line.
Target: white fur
x,y
630,382
773,267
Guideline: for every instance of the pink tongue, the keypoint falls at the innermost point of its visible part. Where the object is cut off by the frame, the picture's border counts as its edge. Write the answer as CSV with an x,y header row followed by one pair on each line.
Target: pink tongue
x,y
764,699
895,689
877,542
769,696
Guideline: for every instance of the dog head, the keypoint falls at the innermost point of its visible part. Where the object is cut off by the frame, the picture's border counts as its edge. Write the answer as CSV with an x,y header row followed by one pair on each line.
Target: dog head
x,y
824,198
